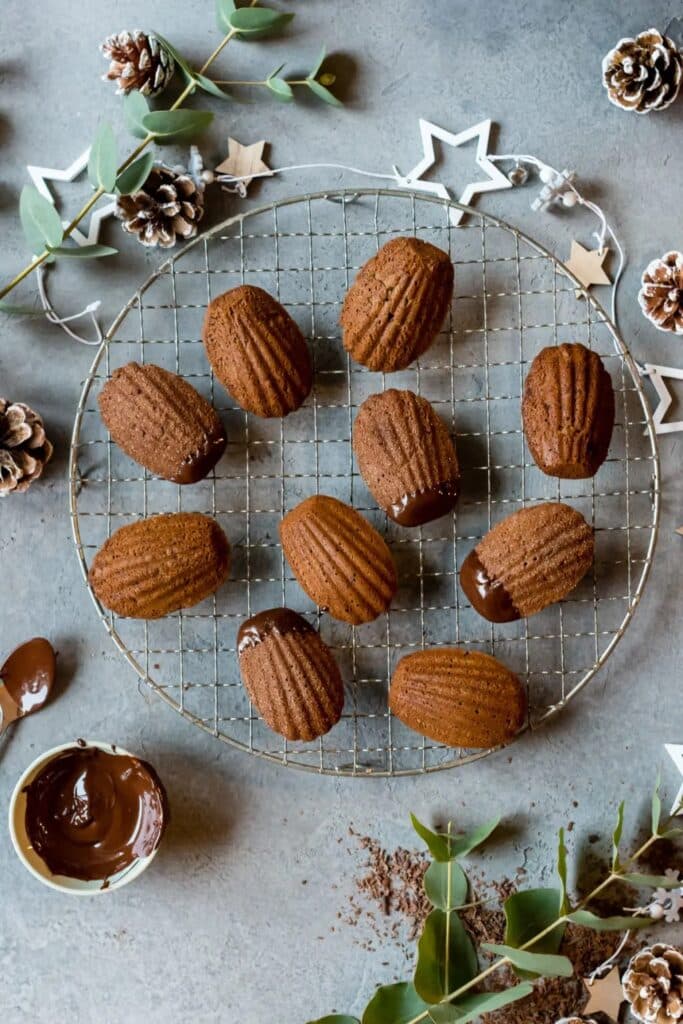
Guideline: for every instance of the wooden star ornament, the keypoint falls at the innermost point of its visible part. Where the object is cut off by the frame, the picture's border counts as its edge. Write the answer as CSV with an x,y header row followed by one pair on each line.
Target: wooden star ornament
x,y
587,265
605,995
241,165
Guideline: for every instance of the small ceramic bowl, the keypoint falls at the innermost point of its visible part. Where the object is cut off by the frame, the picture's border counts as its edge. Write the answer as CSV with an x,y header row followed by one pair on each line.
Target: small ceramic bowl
x,y
35,864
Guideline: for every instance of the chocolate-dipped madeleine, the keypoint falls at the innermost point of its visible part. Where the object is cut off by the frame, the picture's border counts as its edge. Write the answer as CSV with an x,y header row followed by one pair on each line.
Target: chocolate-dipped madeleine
x,y
459,697
533,558
568,411
159,419
290,674
155,566
339,559
406,457
397,304
257,351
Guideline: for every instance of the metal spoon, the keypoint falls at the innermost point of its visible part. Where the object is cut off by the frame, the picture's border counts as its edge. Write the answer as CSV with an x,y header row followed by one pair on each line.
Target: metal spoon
x,y
27,677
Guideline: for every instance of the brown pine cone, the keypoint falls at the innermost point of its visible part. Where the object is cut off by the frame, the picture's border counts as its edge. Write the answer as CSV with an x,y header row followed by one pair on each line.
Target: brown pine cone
x,y
168,207
653,984
138,62
661,293
24,448
644,73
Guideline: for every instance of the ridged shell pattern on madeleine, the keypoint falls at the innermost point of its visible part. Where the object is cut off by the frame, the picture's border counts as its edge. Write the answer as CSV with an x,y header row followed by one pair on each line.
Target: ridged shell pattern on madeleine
x,y
162,422
339,559
257,351
459,697
290,674
406,457
155,566
397,304
528,561
568,411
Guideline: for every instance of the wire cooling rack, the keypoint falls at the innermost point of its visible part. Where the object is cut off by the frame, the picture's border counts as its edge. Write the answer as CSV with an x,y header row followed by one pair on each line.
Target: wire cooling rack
x,y
512,298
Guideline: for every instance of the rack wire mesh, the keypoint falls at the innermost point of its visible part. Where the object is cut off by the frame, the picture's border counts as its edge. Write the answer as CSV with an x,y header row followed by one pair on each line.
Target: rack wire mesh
x,y
512,298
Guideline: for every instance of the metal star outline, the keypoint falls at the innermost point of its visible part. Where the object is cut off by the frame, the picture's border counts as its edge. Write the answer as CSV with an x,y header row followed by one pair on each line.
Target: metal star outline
x,y
41,175
605,995
657,375
428,132
675,752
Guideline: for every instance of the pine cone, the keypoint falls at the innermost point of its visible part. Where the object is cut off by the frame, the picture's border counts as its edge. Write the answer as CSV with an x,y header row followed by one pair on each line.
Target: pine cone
x,y
576,1020
644,73
24,448
138,61
168,207
661,293
653,984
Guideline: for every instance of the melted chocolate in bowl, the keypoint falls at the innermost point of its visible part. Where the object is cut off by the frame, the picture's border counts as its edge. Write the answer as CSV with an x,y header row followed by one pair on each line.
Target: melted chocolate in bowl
x,y
28,674
89,813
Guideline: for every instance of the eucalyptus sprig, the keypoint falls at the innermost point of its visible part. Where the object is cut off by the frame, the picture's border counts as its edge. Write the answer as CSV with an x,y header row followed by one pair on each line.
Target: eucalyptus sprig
x,y
283,88
447,975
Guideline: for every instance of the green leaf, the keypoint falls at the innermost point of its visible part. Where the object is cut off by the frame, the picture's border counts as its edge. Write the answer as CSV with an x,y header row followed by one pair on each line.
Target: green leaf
x,y
616,836
208,85
671,833
135,107
318,64
652,881
439,846
257,21
469,1008
282,89
394,1004
445,957
544,964
9,309
532,911
102,160
172,123
656,805
562,872
336,1018
462,845
177,57
39,219
444,848
607,924
83,252
322,93
135,175
224,9
446,885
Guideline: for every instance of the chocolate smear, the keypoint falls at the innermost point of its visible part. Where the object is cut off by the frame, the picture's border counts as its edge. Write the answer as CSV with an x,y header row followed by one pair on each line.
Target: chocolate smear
x,y
424,506
488,596
28,674
282,621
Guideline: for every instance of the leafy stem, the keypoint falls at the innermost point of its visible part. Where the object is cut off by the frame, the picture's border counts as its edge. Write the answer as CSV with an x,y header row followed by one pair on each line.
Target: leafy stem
x,y
99,192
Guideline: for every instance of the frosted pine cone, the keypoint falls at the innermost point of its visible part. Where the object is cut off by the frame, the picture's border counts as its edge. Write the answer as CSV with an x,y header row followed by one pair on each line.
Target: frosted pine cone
x,y
168,207
644,73
138,61
24,447
653,984
576,1020
661,293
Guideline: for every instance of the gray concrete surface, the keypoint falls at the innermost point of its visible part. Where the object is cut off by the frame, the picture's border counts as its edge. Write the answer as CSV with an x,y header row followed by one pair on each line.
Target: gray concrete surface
x,y
222,928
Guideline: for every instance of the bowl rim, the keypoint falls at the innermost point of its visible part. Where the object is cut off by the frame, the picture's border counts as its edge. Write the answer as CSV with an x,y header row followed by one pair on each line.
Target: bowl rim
x,y
21,843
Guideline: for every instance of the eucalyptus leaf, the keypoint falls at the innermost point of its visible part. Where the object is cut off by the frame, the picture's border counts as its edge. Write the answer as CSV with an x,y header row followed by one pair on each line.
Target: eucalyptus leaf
x,y
177,57
224,9
445,884
135,175
529,912
336,1018
439,845
653,881
562,872
135,107
608,924
282,89
102,161
656,805
469,1008
322,93
672,833
544,964
462,845
616,836
318,64
257,21
210,86
446,959
394,1004
9,309
172,123
39,219
82,252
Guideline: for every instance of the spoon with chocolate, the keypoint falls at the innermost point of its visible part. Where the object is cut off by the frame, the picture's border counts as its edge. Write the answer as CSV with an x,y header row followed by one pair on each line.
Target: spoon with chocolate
x,y
26,679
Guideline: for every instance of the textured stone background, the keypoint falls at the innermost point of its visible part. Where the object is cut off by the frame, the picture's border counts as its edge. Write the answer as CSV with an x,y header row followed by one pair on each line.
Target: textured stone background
x,y
222,928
